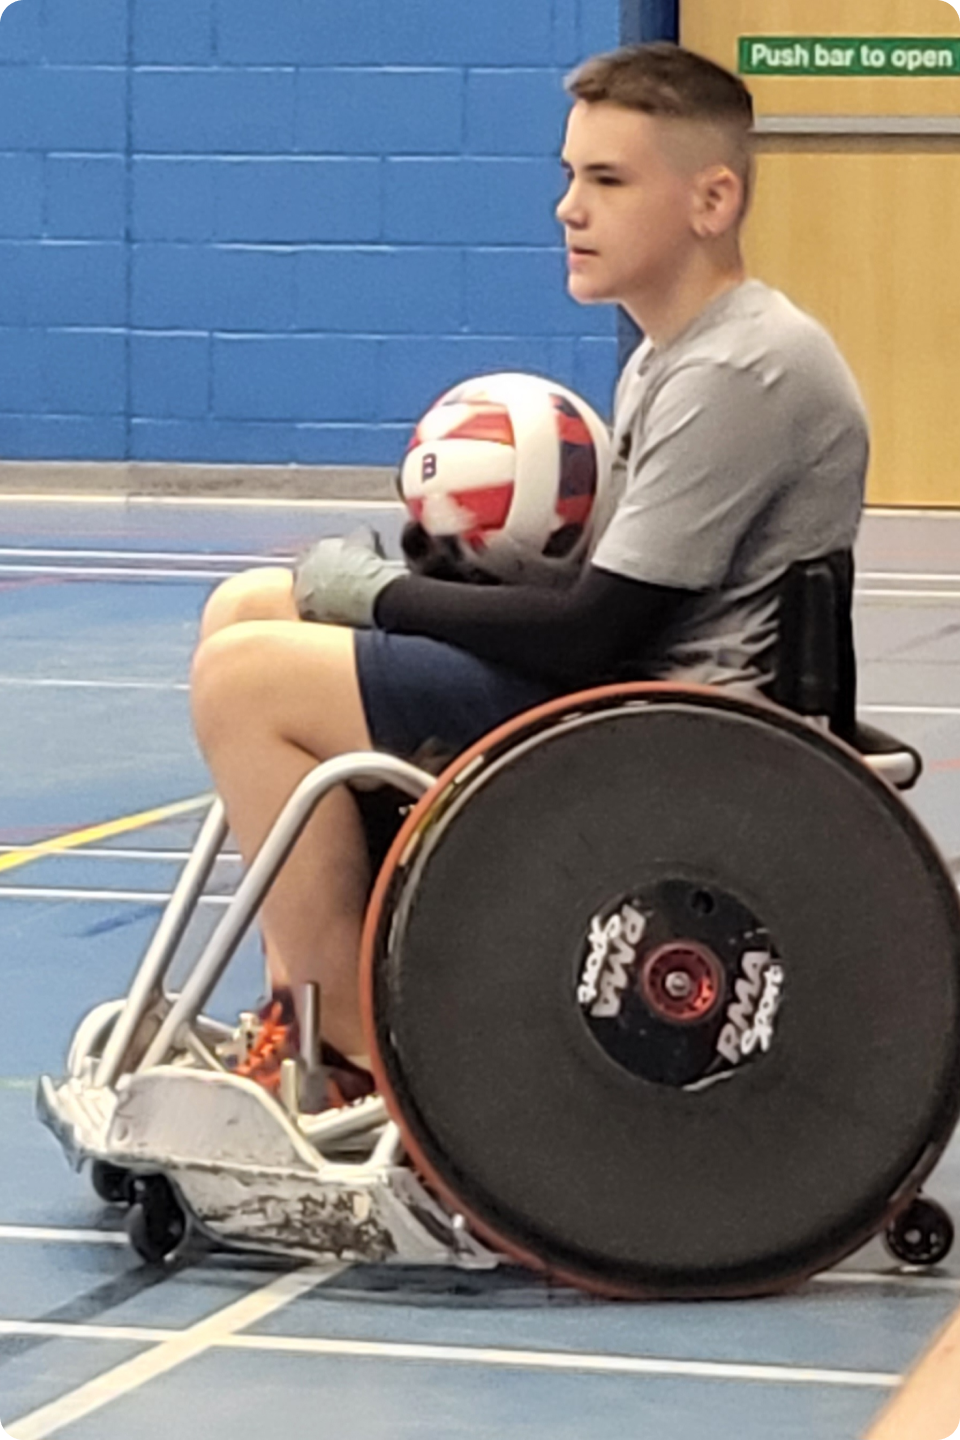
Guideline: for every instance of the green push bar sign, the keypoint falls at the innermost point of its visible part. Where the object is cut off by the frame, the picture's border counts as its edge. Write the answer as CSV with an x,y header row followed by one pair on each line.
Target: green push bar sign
x,y
848,55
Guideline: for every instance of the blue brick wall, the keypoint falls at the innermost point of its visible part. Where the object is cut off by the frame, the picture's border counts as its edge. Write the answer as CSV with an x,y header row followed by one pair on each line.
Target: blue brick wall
x,y
274,230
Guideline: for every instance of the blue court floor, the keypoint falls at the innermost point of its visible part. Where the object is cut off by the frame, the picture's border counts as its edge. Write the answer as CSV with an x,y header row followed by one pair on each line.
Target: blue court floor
x,y
99,601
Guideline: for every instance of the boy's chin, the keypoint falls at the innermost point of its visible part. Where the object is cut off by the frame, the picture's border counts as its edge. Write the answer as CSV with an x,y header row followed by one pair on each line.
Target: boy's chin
x,y
584,293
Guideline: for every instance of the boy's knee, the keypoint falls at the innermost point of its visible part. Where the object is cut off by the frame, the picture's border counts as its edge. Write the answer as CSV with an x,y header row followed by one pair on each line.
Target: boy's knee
x,y
264,594
226,682
259,682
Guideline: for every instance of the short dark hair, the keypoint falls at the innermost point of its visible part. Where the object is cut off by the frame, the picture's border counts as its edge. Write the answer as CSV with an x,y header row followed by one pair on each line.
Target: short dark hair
x,y
672,83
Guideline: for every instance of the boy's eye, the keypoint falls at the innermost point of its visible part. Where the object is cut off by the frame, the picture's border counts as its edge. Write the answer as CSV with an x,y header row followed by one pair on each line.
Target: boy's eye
x,y
600,179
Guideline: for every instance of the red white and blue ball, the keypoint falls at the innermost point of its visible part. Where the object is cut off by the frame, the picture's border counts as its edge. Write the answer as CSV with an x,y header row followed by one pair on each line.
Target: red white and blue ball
x,y
513,469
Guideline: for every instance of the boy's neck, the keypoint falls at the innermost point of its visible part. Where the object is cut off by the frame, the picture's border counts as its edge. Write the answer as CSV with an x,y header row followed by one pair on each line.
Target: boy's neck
x,y
663,317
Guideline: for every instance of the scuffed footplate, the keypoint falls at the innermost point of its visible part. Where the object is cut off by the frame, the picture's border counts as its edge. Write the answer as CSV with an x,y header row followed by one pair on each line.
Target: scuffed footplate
x,y
247,1176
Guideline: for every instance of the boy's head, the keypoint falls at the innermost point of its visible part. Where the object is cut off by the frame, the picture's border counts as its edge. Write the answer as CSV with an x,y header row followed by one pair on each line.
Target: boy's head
x,y
659,153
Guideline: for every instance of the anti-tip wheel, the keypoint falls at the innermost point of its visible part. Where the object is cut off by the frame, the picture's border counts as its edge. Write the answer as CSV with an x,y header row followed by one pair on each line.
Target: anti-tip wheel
x,y
156,1224
920,1235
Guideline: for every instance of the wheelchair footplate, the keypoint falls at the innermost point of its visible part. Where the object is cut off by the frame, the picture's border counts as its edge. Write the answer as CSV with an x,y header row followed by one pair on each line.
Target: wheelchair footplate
x,y
244,1174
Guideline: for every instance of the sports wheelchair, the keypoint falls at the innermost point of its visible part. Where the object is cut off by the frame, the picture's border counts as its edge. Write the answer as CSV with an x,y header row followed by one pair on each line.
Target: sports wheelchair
x,y
661,988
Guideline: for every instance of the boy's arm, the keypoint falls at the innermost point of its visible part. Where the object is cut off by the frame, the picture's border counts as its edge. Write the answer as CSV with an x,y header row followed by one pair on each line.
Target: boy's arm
x,y
576,636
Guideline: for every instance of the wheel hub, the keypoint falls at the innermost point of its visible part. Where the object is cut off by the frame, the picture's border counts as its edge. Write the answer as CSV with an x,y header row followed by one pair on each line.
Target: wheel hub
x,y
682,982
679,983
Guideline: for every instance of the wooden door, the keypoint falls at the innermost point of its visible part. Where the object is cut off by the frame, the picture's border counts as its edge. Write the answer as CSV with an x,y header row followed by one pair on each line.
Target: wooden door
x,y
857,215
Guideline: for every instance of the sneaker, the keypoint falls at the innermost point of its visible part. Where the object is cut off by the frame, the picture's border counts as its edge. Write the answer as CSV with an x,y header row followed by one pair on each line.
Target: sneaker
x,y
278,1039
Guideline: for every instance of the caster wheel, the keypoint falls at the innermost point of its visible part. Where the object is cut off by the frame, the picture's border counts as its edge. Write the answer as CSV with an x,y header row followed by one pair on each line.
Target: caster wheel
x,y
921,1235
156,1225
111,1183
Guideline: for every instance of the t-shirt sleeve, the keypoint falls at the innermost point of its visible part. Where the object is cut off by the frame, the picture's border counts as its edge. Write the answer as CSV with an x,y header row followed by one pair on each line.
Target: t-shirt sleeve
x,y
705,463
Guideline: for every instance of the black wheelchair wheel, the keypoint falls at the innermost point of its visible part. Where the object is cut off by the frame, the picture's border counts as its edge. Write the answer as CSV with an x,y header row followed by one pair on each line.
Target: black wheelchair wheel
x,y
111,1183
664,991
922,1234
156,1224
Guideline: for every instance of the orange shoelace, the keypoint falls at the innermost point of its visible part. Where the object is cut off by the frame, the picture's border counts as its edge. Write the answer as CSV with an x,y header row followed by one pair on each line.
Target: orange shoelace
x,y
274,1043
277,1040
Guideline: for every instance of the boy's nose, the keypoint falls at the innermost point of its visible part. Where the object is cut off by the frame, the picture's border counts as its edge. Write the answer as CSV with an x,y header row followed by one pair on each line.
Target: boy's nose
x,y
568,210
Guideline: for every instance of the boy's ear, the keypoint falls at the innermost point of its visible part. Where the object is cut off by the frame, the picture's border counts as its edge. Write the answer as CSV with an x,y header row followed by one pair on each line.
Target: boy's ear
x,y
718,200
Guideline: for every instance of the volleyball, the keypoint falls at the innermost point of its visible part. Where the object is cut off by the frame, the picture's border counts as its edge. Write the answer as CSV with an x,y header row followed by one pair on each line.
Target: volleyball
x,y
513,470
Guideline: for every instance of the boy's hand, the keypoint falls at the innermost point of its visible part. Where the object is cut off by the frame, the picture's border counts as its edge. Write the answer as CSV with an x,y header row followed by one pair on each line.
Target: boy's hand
x,y
337,581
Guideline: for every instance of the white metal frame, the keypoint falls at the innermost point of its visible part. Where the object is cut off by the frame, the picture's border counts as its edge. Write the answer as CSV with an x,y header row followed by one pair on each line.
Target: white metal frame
x,y
144,1091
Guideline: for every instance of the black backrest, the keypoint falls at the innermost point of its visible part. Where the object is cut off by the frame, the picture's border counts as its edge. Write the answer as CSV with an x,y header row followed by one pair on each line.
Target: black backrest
x,y
816,670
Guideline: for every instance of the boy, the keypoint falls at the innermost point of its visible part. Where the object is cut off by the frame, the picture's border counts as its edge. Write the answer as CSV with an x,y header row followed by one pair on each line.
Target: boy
x,y
740,446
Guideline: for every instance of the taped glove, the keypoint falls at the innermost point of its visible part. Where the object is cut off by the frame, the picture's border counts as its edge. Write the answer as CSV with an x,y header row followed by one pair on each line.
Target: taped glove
x,y
338,580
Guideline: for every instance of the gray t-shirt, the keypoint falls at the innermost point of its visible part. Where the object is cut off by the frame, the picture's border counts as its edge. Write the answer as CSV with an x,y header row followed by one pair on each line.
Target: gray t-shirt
x,y
739,447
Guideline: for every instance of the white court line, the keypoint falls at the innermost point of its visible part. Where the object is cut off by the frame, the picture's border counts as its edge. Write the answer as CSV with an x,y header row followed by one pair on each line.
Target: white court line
x,y
906,575
51,1330
182,557
42,1422
913,1279
201,502
868,594
562,1360
123,897
40,1234
173,1351
909,709
918,512
42,682
114,572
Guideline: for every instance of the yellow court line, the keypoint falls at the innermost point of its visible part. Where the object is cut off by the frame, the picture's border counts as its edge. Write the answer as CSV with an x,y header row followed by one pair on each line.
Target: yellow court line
x,y
105,831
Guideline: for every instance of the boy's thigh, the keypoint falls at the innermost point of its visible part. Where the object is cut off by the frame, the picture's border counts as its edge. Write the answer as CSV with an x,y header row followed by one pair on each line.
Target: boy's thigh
x,y
260,681
419,693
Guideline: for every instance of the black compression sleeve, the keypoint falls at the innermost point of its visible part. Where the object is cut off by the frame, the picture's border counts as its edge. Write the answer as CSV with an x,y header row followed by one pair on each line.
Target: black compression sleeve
x,y
600,629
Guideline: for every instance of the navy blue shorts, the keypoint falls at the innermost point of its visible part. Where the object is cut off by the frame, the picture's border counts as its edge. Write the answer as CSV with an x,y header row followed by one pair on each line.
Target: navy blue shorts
x,y
416,690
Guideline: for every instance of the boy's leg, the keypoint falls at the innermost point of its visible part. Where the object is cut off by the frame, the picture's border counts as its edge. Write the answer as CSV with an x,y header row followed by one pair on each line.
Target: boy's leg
x,y
271,699
263,594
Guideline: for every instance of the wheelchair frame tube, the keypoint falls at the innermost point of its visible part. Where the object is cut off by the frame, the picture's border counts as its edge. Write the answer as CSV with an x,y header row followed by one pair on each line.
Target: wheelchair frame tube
x,y
262,873
163,946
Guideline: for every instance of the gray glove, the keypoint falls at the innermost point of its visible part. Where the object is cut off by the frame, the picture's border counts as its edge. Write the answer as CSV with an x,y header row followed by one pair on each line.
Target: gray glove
x,y
337,581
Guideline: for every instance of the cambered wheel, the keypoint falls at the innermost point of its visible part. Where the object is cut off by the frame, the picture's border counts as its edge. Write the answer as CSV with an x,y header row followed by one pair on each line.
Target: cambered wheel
x,y
663,989
156,1224
111,1183
922,1234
